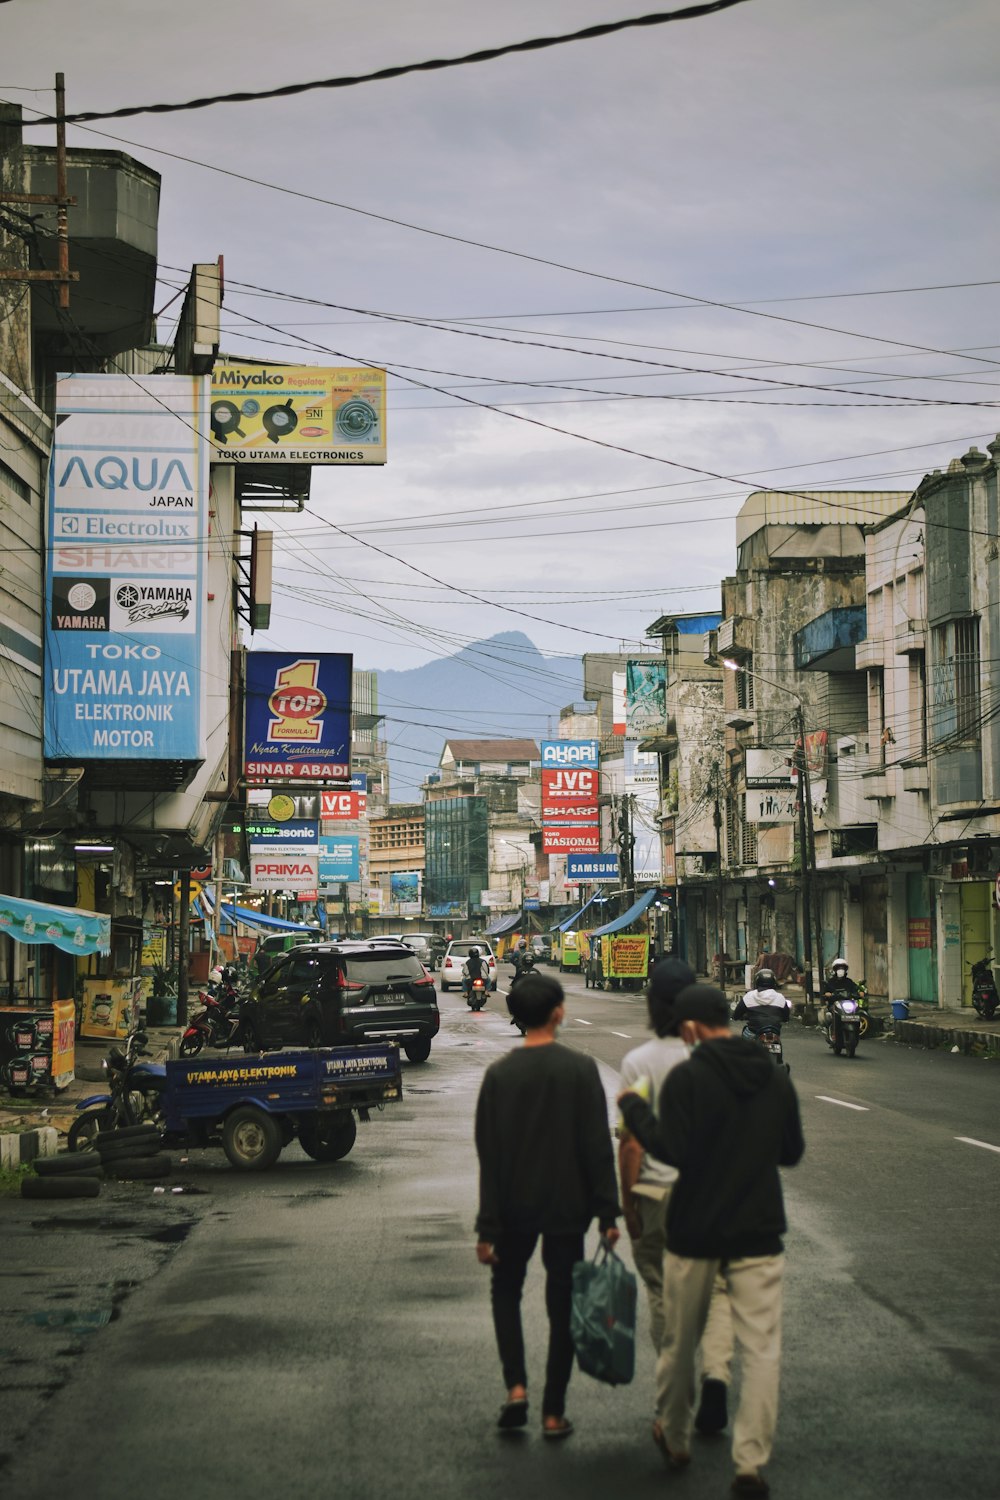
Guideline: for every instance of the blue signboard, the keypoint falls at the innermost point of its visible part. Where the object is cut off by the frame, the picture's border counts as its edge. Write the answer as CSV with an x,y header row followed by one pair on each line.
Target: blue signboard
x,y
124,589
532,903
339,858
560,755
359,781
298,831
592,867
298,718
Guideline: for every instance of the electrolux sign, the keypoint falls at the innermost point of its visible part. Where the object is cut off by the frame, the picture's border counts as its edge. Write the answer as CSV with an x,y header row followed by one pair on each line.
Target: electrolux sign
x,y
127,524
298,718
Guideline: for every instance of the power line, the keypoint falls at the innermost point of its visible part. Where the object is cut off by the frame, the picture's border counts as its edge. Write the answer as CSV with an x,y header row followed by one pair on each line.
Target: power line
x,y
431,65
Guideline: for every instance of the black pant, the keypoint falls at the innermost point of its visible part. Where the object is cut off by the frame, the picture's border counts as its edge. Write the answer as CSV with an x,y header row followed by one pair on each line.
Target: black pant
x,y
560,1252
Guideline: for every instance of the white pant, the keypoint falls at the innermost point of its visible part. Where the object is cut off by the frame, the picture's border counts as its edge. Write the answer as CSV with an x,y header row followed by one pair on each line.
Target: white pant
x,y
754,1287
648,1252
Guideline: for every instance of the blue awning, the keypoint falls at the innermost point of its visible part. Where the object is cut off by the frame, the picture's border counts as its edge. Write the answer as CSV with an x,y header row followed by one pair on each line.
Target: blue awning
x,y
500,925
627,917
572,920
261,919
67,927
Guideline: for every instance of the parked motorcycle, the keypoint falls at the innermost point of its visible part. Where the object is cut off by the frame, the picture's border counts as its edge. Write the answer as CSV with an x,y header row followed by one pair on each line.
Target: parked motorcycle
x,y
133,1094
842,1023
985,999
223,1019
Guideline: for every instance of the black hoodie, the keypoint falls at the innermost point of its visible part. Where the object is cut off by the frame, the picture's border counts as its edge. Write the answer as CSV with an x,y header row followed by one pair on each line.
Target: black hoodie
x,y
726,1119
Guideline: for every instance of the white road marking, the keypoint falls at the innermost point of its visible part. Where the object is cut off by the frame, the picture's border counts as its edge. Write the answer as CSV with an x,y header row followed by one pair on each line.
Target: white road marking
x,y
969,1140
622,1033
581,1022
843,1103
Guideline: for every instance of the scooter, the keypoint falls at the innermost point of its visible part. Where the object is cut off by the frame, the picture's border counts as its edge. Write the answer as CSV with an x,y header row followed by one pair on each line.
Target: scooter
x,y
842,1023
985,999
218,1025
134,1090
477,993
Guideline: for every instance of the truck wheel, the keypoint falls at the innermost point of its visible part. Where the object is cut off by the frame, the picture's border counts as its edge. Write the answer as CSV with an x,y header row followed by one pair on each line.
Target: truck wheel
x,y
330,1139
83,1132
251,1139
418,1051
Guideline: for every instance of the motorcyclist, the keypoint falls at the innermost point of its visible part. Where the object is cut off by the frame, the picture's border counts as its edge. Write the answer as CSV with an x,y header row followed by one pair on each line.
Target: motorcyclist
x,y
840,986
763,1006
472,970
518,956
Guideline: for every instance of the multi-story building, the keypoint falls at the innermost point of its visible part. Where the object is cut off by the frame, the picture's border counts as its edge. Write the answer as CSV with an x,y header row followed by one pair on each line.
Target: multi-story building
x,y
396,848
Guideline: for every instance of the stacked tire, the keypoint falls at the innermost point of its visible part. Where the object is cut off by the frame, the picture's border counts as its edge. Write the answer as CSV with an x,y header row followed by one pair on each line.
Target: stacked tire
x,y
129,1154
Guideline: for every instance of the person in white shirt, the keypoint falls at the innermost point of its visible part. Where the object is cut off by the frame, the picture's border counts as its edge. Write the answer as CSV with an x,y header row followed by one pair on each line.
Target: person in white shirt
x,y
646,1184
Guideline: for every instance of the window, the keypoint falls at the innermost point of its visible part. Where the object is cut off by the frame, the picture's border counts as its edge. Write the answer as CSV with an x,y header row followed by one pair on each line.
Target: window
x,y
744,685
954,684
14,483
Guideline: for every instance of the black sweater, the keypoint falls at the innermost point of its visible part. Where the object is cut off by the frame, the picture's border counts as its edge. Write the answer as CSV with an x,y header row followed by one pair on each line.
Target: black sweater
x,y
546,1163
727,1119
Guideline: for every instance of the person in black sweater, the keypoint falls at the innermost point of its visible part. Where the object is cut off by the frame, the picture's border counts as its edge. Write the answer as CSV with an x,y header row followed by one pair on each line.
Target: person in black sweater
x,y
726,1119
546,1168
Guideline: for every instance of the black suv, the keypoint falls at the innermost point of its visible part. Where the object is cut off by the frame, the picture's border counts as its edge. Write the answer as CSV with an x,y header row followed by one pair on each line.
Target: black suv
x,y
336,994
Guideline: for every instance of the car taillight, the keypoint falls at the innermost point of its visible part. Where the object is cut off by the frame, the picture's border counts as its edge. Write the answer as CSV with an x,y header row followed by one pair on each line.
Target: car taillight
x,y
343,983
427,980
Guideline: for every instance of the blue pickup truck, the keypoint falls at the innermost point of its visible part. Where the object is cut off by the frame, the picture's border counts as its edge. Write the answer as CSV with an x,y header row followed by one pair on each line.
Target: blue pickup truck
x,y
256,1105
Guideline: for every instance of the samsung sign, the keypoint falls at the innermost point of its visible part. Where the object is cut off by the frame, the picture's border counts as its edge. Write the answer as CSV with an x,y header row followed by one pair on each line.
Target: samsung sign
x,y
588,868
569,754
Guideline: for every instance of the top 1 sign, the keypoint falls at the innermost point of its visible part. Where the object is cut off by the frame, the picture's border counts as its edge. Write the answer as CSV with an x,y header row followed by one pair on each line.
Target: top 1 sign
x,y
298,718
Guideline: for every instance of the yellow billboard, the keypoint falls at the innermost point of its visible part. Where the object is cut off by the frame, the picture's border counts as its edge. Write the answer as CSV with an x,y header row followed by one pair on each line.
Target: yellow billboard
x,y
300,414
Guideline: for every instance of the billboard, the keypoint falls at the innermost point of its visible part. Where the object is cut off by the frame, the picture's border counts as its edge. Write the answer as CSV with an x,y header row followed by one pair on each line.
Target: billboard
x,y
404,890
645,697
296,832
569,796
298,718
283,869
598,869
777,805
618,703
769,766
299,414
339,858
345,807
569,754
124,588
571,840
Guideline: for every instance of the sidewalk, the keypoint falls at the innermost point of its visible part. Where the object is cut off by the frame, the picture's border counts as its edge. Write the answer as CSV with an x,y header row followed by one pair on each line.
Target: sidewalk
x,y
36,1125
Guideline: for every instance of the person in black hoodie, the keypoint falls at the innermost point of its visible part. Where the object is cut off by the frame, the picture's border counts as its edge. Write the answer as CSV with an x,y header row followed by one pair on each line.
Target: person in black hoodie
x,y
546,1167
726,1119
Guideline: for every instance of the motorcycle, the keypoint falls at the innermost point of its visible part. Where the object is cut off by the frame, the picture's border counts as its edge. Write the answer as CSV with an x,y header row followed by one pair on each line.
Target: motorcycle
x,y
764,1026
476,994
523,964
134,1090
222,1021
842,1024
985,999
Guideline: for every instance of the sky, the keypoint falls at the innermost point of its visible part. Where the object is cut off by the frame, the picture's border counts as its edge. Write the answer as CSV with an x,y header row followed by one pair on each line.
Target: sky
x,y
556,231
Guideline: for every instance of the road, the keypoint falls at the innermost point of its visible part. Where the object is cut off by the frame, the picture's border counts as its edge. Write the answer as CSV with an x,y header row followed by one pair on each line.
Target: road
x,y
326,1328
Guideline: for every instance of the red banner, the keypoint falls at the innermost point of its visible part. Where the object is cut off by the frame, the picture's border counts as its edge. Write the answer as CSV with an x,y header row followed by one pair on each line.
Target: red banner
x,y
571,840
348,806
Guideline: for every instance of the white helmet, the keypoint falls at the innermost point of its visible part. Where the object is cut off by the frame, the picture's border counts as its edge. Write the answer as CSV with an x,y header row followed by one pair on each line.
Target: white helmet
x,y
215,975
839,963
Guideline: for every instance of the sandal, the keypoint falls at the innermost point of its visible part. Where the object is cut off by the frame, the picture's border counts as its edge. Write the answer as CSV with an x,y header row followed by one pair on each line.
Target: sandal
x,y
562,1429
513,1414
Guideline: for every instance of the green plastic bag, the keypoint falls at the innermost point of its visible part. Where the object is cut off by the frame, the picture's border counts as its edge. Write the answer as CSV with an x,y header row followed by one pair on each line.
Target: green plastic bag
x,y
602,1317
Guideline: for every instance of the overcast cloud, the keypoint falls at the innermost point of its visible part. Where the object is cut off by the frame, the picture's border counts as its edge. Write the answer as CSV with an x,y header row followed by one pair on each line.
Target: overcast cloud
x,y
781,149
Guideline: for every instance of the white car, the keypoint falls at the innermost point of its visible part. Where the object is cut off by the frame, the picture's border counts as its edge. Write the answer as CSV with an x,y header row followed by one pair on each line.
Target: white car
x,y
455,957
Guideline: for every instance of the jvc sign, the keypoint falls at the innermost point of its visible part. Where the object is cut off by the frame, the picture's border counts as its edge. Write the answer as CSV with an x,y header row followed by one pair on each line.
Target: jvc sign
x,y
569,754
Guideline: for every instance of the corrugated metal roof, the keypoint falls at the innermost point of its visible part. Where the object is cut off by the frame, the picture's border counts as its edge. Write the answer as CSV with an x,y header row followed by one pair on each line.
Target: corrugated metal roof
x,y
816,508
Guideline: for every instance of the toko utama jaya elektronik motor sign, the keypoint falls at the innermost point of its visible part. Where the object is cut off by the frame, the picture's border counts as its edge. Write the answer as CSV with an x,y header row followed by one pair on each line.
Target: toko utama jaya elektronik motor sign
x,y
125,560
298,718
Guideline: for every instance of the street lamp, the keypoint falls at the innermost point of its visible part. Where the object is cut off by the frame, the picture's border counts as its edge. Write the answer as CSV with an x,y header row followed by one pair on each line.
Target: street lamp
x,y
527,859
806,837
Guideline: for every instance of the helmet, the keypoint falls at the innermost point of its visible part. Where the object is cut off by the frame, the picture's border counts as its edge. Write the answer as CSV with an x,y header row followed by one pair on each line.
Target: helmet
x,y
215,975
765,979
839,963
473,952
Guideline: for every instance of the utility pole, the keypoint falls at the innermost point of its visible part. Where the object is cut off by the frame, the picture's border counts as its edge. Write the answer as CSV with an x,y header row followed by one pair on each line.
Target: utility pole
x,y
806,862
720,934
183,944
626,845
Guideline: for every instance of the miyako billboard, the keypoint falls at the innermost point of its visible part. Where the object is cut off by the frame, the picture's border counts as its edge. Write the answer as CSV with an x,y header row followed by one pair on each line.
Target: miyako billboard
x,y
127,533
298,718
298,414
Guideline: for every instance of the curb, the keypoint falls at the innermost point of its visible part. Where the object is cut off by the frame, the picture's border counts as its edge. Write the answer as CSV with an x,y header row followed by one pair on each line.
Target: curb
x,y
922,1034
17,1150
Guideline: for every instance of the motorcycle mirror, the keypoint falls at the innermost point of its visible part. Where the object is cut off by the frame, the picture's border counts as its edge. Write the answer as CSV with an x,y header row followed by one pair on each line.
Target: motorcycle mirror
x,y
141,1038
